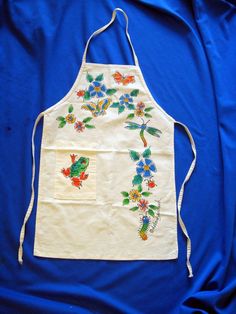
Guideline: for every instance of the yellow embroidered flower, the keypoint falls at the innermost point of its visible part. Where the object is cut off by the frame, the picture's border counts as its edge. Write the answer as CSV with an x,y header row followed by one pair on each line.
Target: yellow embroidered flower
x,y
70,118
134,195
139,113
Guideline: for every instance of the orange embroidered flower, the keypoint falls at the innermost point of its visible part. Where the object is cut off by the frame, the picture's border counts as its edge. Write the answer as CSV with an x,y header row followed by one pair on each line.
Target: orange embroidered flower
x,y
70,118
139,113
135,195
80,93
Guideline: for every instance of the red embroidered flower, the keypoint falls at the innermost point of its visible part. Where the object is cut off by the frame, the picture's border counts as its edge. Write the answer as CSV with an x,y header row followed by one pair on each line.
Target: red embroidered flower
x,y
79,126
66,172
80,93
143,204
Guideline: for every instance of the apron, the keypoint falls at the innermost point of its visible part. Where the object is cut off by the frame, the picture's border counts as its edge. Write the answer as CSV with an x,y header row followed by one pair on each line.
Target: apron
x,y
107,179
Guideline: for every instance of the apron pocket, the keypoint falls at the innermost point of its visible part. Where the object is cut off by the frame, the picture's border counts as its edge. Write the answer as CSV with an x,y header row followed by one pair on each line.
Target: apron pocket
x,y
75,175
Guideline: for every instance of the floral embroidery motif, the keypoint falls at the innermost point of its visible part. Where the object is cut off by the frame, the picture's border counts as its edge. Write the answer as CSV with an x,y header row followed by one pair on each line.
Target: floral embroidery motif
x,y
143,128
97,90
71,119
140,111
150,213
125,101
122,79
76,172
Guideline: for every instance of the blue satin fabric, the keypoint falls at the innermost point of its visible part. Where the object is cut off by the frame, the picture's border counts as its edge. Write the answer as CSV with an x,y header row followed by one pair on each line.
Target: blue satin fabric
x,y
186,51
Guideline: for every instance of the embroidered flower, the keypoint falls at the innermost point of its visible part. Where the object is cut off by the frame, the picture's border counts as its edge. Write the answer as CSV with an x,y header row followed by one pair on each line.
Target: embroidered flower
x,y
143,204
70,118
140,105
126,99
145,167
139,113
80,93
97,89
135,195
79,126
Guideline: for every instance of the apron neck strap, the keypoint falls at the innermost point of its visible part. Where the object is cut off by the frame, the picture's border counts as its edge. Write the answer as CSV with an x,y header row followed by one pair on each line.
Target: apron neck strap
x,y
181,194
100,30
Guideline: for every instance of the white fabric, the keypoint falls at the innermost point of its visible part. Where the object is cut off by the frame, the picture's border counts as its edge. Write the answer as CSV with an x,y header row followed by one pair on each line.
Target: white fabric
x,y
90,221
181,194
100,30
31,203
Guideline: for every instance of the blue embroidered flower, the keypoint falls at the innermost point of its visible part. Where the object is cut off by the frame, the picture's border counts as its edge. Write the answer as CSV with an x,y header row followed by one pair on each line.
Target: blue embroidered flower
x,y
146,167
126,99
97,89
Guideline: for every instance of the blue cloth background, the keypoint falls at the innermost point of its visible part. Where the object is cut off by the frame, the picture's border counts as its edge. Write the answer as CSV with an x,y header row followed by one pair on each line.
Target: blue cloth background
x,y
186,51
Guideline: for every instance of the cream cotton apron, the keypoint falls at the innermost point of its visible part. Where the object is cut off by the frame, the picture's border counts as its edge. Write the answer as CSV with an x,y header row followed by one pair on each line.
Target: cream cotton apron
x,y
107,178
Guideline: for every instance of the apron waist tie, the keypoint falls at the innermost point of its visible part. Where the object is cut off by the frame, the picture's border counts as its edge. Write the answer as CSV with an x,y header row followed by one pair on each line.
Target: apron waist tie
x,y
180,198
31,203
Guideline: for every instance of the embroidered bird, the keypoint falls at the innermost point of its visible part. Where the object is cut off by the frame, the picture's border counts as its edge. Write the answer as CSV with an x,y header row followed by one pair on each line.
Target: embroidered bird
x,y
76,172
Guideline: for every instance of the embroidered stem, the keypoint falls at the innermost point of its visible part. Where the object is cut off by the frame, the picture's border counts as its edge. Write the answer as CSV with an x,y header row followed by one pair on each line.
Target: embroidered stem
x,y
143,138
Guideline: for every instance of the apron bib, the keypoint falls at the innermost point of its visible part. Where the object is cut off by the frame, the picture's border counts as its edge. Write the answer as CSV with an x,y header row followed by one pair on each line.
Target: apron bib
x,y
107,180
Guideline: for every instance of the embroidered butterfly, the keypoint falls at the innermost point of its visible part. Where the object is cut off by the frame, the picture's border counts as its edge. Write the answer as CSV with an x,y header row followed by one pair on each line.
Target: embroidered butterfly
x,y
99,108
125,80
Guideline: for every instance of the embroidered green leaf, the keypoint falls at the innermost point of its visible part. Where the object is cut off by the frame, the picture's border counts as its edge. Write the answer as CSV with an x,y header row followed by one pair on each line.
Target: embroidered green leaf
x,y
70,109
89,126
147,115
87,119
134,208
62,124
151,212
111,91
148,109
138,179
147,153
121,108
146,193
86,95
130,116
60,118
89,78
134,92
115,105
99,78
140,188
130,106
125,194
134,155
125,201
154,207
